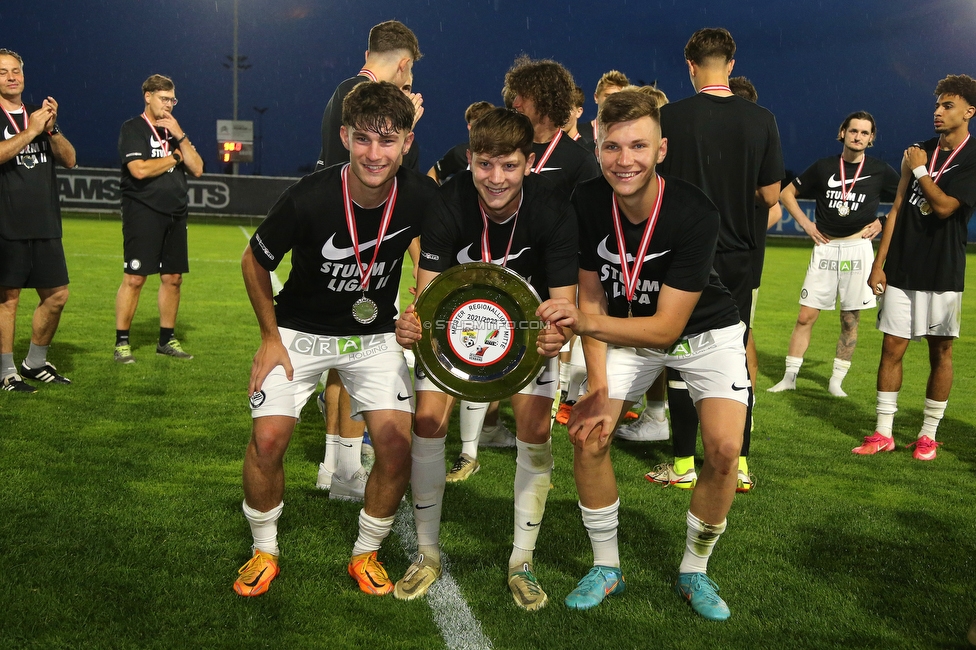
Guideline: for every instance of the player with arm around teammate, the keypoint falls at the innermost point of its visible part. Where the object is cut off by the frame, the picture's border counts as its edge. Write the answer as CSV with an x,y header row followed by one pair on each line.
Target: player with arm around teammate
x,y
847,189
348,228
497,212
649,299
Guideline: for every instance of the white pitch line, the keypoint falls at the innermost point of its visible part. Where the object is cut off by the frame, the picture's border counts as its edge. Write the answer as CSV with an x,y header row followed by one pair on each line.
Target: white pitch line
x,y
459,628
275,282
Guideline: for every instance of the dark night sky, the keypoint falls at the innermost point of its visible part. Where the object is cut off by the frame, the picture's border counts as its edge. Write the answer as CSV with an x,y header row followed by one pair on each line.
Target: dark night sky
x,y
812,62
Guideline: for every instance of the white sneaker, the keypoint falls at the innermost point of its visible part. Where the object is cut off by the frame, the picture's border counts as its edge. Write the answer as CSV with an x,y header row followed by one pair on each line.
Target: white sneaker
x,y
324,480
352,490
644,429
496,436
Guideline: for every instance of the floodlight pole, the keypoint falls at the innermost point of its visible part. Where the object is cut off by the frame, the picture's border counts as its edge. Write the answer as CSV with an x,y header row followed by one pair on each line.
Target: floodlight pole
x,y
234,66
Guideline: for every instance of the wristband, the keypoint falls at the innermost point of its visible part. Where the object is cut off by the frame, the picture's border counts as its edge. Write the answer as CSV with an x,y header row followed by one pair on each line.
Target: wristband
x,y
920,171
181,139
177,157
55,130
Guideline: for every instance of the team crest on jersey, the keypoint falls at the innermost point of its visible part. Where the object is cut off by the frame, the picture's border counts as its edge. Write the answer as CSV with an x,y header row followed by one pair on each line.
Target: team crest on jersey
x,y
257,399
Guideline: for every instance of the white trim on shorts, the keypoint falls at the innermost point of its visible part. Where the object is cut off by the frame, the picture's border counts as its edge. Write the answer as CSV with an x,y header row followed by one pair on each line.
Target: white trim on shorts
x,y
371,367
545,384
839,268
712,364
914,315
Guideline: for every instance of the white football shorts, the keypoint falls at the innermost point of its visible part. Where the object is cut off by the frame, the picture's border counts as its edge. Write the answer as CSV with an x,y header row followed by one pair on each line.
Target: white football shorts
x,y
917,314
839,268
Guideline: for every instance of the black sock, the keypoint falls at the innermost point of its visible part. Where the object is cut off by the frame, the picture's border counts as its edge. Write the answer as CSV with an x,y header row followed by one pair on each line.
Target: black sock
x,y
165,335
684,418
121,337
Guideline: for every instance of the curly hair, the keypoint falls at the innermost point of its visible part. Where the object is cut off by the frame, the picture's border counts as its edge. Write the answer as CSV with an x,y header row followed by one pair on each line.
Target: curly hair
x,y
960,85
377,106
548,84
742,87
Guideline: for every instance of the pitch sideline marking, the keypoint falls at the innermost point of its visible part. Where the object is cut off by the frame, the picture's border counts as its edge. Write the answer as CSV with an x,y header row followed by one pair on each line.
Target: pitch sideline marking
x,y
459,628
275,282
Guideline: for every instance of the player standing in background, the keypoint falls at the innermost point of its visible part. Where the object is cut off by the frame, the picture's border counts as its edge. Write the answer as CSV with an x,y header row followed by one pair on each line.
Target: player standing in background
x,y
847,189
612,81
730,149
156,155
348,228
31,252
456,159
920,269
576,111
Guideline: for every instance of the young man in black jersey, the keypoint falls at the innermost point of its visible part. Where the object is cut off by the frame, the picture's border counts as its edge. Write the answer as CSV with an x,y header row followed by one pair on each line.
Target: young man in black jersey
x,y
497,212
347,228
649,300
31,253
730,148
847,190
611,81
543,93
920,269
455,159
156,155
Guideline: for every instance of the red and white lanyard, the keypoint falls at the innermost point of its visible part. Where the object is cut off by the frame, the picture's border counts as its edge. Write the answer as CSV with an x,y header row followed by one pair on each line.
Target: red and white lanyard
x,y
577,136
541,163
631,274
594,129
163,142
364,270
485,246
844,190
10,118
715,88
935,156
367,73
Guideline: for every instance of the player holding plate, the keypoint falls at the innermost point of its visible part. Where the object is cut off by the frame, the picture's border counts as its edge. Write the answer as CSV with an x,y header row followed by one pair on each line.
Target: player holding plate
x,y
497,212
649,299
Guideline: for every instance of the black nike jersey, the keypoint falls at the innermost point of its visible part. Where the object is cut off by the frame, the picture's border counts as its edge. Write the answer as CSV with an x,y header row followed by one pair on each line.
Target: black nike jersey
x,y
569,164
166,193
679,255
821,181
309,220
928,253
29,207
544,244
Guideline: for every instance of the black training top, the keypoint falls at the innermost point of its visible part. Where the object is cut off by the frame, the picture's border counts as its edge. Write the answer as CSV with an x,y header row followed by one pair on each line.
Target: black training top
x,y
29,207
166,193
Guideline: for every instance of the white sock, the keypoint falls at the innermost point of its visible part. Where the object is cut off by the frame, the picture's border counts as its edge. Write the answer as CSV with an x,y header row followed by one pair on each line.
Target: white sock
x,y
601,525
655,410
886,409
372,532
472,417
788,382
837,377
577,373
931,416
350,457
563,375
331,460
427,479
699,543
533,471
264,527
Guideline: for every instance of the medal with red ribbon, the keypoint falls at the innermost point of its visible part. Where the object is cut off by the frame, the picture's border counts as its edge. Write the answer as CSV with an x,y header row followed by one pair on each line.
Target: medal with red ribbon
x,y
366,73
844,208
541,162
485,246
630,274
27,160
365,310
923,206
715,88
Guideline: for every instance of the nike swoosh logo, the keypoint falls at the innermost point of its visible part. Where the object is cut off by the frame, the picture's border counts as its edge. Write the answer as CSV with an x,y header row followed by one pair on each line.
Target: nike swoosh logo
x,y
472,408
866,302
330,252
420,507
378,586
345,445
531,525
613,258
154,143
402,398
539,382
834,182
256,580
464,257
7,134
734,387
932,327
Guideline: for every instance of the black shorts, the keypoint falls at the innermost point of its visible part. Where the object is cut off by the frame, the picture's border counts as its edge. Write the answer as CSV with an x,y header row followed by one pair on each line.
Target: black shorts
x,y
736,271
153,242
32,263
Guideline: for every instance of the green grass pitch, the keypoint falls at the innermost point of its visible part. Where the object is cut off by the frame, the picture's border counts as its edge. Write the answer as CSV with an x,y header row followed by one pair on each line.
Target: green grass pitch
x,y
121,524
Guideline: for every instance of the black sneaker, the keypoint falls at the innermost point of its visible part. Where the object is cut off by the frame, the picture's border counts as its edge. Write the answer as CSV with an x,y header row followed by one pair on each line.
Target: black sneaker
x,y
46,373
16,384
172,349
